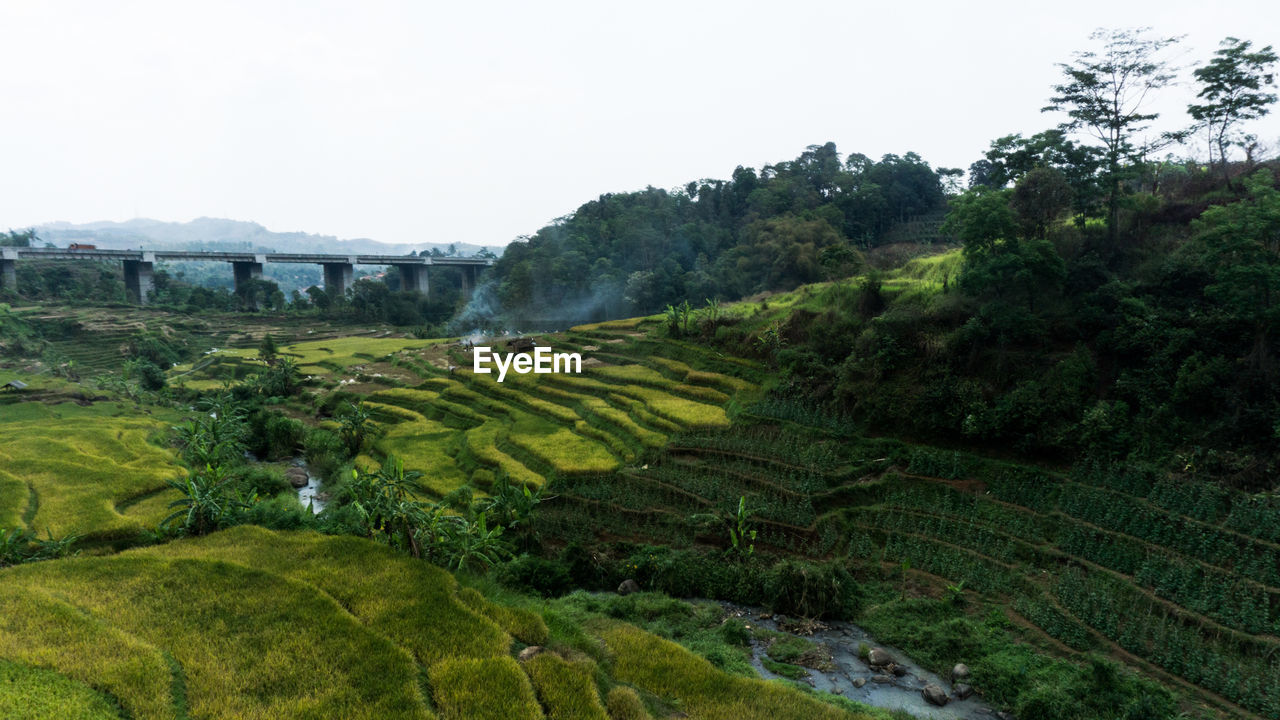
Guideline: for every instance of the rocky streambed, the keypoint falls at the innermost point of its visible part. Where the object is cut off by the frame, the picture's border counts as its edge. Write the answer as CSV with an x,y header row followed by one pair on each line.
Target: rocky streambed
x,y
307,485
845,660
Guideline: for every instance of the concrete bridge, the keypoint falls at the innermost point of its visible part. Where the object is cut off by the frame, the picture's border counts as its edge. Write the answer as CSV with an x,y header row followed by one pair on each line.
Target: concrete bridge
x,y
139,266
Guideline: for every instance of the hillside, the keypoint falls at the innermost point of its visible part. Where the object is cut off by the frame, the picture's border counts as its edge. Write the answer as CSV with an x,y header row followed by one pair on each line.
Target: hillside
x,y
255,624
644,462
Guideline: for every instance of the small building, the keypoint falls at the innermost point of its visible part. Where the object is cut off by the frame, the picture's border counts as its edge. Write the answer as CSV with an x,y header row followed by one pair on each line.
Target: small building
x,y
521,345
13,386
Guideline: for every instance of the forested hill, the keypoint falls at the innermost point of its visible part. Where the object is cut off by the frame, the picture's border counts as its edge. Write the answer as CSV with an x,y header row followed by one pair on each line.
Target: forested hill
x,y
786,224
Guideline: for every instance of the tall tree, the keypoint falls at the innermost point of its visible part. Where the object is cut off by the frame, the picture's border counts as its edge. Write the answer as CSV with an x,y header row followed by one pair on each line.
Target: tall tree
x,y
1106,93
1233,87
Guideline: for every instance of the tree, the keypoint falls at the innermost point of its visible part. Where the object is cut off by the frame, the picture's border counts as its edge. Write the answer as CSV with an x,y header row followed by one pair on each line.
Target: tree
x,y
1011,157
267,349
19,238
1039,198
1239,245
1232,88
357,426
979,218
1105,95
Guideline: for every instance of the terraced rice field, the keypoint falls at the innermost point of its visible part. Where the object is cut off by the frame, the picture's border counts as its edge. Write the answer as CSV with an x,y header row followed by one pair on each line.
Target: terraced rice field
x,y
1179,579
450,423
250,623
97,471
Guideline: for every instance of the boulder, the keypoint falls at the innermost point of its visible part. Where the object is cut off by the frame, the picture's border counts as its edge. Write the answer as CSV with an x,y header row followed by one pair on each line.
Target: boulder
x,y
898,670
296,476
882,679
531,651
859,682
934,695
962,691
878,657
959,672
628,586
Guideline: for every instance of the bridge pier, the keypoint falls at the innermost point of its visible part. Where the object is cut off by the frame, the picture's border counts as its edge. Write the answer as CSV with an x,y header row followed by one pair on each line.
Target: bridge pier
x,y
246,271
139,278
338,277
413,278
9,270
470,278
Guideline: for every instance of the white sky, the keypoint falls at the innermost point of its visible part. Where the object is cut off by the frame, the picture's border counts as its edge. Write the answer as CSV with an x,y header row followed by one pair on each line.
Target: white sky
x,y
435,122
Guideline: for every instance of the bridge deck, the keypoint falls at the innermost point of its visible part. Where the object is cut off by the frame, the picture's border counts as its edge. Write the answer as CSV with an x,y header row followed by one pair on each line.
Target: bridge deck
x,y
180,255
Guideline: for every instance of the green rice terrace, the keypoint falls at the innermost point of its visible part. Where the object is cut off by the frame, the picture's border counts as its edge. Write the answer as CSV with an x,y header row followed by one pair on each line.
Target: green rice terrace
x,y
1109,589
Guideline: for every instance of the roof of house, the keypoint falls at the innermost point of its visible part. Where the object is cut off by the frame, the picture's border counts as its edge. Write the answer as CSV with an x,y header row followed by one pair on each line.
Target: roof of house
x,y
16,385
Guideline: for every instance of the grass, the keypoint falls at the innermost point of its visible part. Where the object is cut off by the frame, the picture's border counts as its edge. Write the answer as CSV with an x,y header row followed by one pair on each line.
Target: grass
x,y
250,644
424,446
483,689
28,693
413,603
669,671
625,704
82,463
567,690
42,631
561,448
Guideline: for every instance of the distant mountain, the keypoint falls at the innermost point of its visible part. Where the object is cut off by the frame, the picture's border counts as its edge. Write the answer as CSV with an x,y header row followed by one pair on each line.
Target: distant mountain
x,y
217,234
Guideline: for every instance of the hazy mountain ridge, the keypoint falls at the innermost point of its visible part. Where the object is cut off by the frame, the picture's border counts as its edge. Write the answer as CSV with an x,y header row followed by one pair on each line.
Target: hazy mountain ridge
x,y
227,235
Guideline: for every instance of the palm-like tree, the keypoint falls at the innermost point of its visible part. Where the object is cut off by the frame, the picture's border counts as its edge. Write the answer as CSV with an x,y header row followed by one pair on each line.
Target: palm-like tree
x,y
356,426
205,500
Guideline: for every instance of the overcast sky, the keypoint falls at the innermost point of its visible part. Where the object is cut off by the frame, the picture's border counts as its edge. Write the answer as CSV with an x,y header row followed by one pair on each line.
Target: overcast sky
x,y
480,122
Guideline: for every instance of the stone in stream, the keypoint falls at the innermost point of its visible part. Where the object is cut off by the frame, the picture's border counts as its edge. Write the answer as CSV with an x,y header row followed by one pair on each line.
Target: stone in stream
x,y
963,691
859,682
628,586
959,672
882,679
898,670
934,695
878,657
296,476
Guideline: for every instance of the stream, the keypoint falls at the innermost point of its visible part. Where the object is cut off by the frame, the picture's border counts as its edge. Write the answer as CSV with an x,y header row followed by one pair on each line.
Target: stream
x,y
852,677
309,494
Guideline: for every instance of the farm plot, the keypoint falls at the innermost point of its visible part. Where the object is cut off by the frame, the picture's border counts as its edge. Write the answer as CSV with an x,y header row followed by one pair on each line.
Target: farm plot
x,y
251,623
79,470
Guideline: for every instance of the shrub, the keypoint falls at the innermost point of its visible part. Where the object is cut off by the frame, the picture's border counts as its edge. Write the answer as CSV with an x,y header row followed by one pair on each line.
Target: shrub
x,y
324,452
264,481
529,573
625,704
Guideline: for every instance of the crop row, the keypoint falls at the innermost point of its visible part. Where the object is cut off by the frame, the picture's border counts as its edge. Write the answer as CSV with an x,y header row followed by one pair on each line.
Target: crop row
x,y
786,479
1227,550
943,499
1241,670
1210,591
1258,516
974,569
1125,514
969,535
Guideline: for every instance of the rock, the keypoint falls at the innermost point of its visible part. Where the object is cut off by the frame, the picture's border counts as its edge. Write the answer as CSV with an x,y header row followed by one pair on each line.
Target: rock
x,y
934,695
963,691
296,476
628,586
882,679
878,657
859,682
899,670
529,652
959,672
